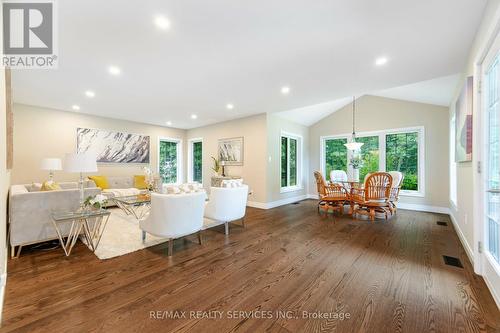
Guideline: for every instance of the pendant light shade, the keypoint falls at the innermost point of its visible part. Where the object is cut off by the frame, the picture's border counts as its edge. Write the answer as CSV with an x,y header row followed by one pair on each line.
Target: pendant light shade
x,y
353,145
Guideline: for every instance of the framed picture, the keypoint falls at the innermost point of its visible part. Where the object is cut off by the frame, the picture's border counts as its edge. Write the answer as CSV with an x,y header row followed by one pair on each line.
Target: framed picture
x,y
463,123
231,151
113,147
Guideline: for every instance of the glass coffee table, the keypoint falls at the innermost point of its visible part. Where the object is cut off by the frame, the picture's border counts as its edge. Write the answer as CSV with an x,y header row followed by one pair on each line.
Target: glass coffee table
x,y
136,205
92,222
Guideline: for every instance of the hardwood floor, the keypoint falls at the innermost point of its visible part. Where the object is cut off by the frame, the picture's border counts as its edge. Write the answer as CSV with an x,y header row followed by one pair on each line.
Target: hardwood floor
x,y
385,277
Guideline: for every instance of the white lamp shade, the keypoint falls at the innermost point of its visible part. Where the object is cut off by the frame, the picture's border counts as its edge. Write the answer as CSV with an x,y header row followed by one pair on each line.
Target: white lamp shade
x,y
85,162
51,164
354,145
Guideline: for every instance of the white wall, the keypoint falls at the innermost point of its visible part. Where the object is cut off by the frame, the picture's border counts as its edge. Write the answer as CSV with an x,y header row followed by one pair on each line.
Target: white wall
x,y
4,187
378,113
41,132
465,214
253,170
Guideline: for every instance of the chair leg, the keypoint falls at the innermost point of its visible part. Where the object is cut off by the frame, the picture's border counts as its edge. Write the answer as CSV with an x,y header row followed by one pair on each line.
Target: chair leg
x,y
226,228
170,247
12,252
372,214
199,237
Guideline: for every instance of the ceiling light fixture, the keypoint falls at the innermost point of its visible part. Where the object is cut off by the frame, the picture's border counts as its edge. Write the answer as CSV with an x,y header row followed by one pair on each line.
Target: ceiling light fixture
x,y
353,145
193,116
229,106
162,22
114,70
169,123
90,94
75,107
381,61
285,90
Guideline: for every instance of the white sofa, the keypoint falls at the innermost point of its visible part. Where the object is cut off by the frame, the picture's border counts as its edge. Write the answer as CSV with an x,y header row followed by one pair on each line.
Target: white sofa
x,y
30,210
226,204
174,215
119,186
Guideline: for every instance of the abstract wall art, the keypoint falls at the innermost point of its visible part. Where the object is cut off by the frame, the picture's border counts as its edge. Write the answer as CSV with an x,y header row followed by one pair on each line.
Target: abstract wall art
x,y
113,147
463,123
231,151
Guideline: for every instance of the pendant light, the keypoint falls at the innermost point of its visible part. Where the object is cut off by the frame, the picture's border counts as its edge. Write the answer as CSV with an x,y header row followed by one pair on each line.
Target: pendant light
x,y
353,145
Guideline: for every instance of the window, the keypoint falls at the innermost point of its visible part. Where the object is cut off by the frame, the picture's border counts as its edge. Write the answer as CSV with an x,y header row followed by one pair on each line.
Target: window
x,y
402,155
335,155
195,161
290,162
169,160
369,154
388,150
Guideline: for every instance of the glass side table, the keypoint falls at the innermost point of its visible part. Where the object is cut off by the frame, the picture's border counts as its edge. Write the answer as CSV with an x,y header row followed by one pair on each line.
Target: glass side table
x,y
135,205
92,222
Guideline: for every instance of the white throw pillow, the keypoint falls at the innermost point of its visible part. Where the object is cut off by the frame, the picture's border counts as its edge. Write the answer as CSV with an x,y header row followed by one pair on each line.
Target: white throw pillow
x,y
172,190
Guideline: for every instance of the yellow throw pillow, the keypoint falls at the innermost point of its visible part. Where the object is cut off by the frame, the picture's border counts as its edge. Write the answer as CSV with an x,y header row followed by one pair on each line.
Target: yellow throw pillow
x,y
100,181
140,182
50,186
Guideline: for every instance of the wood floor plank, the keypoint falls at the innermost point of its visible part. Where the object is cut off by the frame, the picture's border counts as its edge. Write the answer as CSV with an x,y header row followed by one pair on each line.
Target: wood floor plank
x,y
388,277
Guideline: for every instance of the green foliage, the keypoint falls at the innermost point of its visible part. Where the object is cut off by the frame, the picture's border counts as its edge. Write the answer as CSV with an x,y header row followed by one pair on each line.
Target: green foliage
x,y
216,167
369,154
168,161
402,155
335,155
197,161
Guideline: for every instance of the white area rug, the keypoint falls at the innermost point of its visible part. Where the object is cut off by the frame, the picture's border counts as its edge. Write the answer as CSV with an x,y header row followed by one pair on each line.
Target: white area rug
x,y
123,235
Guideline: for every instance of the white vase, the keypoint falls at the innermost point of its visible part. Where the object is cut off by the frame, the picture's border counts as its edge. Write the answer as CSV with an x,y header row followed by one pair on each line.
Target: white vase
x,y
355,175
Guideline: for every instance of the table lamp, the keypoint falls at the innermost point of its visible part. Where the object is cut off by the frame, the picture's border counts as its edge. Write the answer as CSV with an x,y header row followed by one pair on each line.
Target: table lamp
x,y
80,163
51,165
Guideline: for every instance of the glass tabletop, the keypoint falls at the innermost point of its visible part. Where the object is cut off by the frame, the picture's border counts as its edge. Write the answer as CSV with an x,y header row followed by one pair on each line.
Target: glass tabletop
x,y
134,199
73,215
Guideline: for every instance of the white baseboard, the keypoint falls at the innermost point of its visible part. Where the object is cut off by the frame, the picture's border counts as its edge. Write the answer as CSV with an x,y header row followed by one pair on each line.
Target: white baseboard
x,y
274,204
462,238
424,208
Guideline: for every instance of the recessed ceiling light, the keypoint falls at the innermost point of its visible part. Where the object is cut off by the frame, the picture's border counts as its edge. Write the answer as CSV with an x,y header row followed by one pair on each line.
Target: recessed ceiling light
x,y
229,106
90,94
193,116
75,107
381,61
114,70
285,90
162,22
169,123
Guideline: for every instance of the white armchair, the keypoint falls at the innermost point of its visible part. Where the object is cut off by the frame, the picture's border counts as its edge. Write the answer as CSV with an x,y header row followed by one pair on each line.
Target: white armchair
x,y
173,216
226,204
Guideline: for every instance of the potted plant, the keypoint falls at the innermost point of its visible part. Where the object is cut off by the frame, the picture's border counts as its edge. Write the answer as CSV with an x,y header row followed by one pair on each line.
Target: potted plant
x,y
216,167
95,202
356,163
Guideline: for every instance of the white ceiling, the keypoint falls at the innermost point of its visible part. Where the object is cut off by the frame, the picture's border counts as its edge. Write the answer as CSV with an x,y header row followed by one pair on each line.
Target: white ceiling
x,y
438,91
226,51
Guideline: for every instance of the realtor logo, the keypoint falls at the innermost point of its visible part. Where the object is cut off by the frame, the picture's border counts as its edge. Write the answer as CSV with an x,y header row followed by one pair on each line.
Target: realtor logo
x,y
29,34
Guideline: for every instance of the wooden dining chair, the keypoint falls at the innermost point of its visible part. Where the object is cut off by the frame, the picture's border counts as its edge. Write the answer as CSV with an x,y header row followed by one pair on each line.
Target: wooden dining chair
x,y
397,181
331,196
373,197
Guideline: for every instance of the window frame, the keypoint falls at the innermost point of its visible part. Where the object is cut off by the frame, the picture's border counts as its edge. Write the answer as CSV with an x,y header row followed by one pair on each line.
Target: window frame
x,y
299,186
190,164
382,152
179,157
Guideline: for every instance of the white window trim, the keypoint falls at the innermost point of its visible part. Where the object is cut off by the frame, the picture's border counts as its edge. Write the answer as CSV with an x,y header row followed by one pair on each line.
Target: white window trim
x,y
191,159
179,157
382,152
300,162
